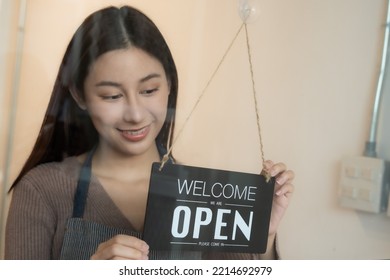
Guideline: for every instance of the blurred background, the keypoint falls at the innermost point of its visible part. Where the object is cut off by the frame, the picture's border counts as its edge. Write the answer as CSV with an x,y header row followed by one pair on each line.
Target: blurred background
x,y
316,66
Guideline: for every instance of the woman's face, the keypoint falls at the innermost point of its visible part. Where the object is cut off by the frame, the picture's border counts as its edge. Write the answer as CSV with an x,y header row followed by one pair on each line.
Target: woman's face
x,y
126,94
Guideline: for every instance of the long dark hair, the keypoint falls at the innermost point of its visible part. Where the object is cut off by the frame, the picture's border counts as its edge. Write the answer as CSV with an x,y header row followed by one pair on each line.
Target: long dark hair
x,y
66,129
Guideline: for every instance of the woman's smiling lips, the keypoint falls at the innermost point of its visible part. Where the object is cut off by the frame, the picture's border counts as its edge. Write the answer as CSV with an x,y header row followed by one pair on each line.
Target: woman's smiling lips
x,y
135,135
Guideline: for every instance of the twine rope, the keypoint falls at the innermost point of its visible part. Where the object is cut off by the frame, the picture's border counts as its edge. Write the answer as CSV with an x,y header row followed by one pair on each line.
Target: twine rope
x,y
170,146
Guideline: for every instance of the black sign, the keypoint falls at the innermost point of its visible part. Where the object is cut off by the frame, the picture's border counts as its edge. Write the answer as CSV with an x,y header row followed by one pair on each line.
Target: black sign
x,y
200,209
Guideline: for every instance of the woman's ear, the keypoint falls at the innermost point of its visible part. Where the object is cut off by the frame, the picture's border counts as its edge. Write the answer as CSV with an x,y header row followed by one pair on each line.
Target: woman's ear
x,y
77,97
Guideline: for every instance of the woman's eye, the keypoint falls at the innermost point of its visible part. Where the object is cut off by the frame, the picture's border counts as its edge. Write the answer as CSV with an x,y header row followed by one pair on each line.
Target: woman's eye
x,y
111,97
149,91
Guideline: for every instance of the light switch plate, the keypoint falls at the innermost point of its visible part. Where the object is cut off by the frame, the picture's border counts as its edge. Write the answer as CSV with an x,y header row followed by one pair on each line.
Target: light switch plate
x,y
364,184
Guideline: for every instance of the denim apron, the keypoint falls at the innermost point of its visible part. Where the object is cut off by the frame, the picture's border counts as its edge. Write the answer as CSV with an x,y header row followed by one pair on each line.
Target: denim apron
x,y
82,237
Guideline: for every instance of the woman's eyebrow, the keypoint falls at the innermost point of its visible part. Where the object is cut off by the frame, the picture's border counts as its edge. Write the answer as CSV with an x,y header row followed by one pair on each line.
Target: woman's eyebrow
x,y
108,83
115,84
149,77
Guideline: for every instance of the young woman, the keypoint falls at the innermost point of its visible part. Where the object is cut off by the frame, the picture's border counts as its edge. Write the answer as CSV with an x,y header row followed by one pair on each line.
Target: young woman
x,y
82,192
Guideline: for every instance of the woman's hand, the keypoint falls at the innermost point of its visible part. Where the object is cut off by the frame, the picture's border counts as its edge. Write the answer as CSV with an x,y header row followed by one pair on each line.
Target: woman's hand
x,y
283,192
122,247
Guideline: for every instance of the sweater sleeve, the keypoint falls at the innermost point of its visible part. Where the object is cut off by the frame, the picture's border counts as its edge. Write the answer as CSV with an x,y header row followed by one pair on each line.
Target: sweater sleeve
x,y
30,225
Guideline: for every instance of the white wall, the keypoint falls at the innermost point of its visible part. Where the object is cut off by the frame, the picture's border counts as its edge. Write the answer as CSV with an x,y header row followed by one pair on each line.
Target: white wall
x,y
315,65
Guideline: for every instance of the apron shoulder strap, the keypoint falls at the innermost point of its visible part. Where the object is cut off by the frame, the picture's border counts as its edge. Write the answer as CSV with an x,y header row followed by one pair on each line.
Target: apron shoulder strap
x,y
80,197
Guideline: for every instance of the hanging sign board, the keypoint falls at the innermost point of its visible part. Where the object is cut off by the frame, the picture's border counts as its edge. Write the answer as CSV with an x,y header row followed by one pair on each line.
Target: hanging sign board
x,y
200,209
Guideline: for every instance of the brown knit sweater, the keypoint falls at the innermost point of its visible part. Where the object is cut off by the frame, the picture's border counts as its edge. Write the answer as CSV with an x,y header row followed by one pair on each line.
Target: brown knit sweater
x,y
42,203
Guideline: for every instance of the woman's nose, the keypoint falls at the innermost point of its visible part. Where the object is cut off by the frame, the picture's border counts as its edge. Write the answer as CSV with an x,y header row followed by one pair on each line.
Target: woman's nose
x,y
133,111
